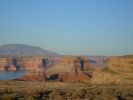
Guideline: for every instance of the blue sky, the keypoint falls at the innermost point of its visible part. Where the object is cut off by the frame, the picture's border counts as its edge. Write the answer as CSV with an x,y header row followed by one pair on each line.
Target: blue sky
x,y
74,27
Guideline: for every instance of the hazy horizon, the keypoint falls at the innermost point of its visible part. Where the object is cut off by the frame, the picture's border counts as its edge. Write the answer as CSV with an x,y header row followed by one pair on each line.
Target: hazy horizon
x,y
69,27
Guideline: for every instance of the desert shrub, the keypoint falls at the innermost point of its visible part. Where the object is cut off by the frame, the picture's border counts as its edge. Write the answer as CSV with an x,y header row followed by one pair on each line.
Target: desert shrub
x,y
125,93
6,90
7,82
79,93
68,96
9,97
54,95
30,98
2,91
31,93
41,88
108,70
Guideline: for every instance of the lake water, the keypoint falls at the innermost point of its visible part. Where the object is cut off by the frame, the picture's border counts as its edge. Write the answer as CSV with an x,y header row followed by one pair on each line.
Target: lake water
x,y
11,75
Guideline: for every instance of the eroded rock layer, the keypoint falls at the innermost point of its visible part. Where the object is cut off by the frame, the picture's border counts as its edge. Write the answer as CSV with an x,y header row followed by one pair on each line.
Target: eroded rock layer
x,y
26,63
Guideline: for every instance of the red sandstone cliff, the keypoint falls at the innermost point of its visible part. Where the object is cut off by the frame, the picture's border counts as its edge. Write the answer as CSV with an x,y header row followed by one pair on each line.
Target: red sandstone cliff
x,y
27,63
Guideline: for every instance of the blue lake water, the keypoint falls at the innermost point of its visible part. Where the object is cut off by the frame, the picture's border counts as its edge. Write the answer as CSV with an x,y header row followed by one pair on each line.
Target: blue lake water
x,y
4,75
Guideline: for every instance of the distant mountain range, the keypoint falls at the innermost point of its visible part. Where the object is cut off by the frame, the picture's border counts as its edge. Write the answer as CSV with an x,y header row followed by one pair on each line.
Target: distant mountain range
x,y
24,50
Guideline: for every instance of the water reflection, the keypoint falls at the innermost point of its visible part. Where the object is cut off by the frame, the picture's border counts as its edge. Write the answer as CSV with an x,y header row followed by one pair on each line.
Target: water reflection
x,y
8,75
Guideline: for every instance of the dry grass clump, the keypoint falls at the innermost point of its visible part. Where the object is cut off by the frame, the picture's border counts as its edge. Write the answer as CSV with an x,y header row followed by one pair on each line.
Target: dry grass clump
x,y
79,93
6,90
9,97
54,95
105,76
108,70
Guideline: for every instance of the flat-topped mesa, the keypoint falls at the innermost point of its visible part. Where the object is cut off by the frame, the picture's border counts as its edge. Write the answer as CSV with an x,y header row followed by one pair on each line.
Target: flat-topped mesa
x,y
25,63
8,64
121,63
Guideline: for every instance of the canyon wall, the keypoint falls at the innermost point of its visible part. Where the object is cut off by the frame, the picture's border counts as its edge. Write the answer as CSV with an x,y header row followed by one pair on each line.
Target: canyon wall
x,y
67,68
25,62
33,62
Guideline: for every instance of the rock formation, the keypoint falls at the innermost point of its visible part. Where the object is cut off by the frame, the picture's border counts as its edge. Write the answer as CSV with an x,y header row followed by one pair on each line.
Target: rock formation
x,y
31,64
10,67
36,68
27,62
70,69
